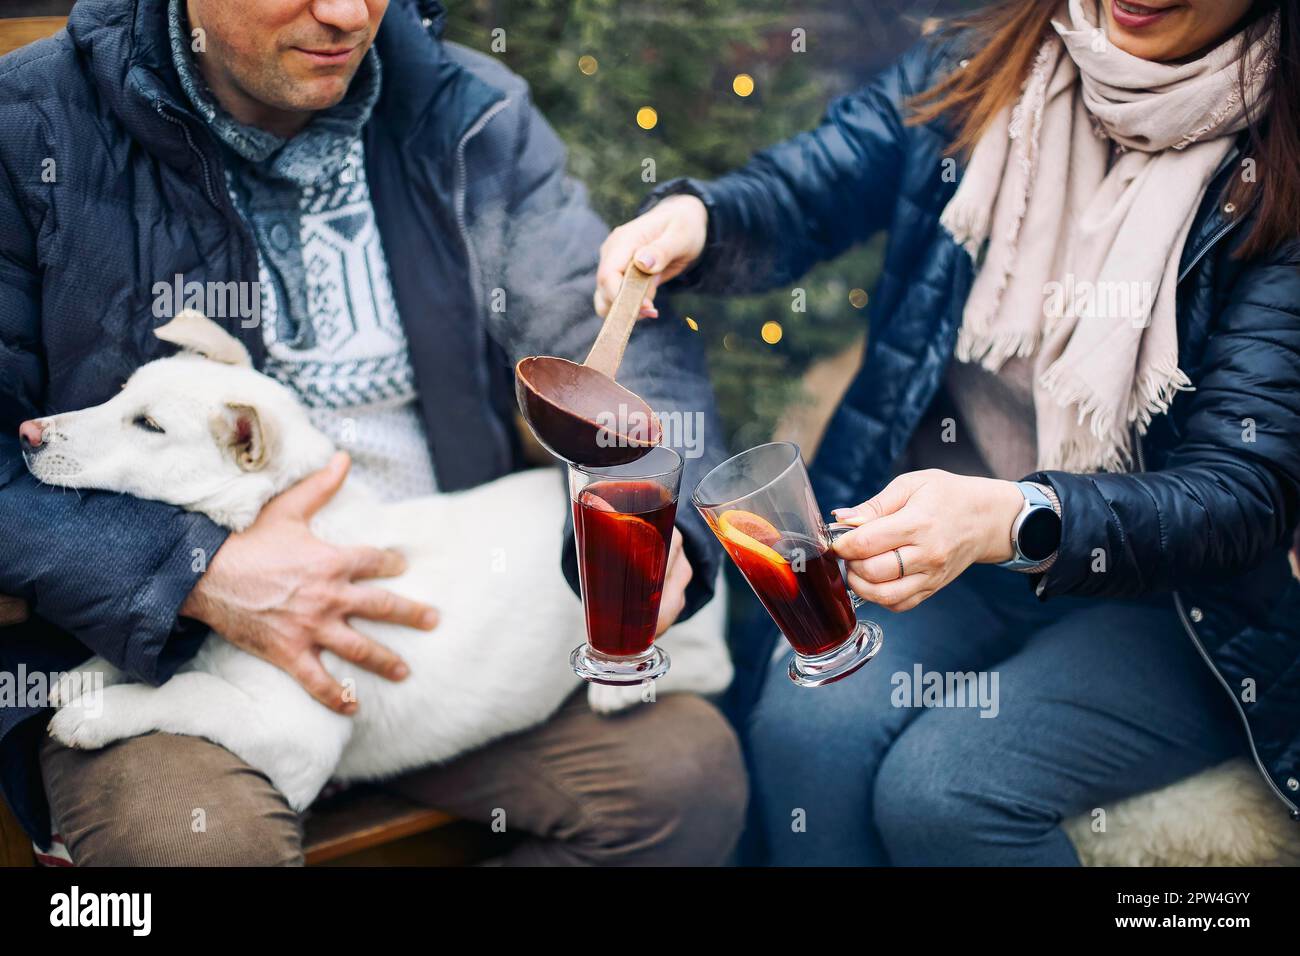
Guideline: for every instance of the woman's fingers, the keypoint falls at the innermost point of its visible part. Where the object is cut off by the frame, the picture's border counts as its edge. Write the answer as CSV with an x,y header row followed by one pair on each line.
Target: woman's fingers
x,y
877,537
663,241
614,259
883,568
893,497
615,254
901,594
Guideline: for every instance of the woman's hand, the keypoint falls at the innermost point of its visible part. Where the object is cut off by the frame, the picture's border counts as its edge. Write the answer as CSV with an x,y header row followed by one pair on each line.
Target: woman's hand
x,y
940,523
665,240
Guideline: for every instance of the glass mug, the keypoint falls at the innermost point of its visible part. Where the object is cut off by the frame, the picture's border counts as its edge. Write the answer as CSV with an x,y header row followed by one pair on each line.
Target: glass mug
x,y
623,525
760,505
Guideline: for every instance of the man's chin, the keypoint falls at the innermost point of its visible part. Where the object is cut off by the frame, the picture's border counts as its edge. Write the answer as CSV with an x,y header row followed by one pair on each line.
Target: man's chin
x,y
315,93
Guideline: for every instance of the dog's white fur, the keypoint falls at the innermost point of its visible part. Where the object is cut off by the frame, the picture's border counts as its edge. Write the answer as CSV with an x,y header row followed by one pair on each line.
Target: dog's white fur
x,y
487,558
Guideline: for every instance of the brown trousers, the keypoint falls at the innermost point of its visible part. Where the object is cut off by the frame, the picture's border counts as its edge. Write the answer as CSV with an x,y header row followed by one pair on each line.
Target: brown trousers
x,y
660,784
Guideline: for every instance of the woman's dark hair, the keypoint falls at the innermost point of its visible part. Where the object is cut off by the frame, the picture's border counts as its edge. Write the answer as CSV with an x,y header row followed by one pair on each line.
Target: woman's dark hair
x,y
1008,34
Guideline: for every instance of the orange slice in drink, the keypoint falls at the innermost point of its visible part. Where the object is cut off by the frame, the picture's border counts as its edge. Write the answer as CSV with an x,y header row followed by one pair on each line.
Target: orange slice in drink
x,y
751,538
751,532
640,539
590,499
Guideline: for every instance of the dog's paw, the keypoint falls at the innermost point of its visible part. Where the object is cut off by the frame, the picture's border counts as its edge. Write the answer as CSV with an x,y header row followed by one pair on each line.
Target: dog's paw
x,y
607,699
91,676
79,728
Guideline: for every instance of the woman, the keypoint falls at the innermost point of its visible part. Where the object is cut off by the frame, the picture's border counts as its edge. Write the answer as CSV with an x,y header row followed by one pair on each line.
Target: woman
x,y
1084,364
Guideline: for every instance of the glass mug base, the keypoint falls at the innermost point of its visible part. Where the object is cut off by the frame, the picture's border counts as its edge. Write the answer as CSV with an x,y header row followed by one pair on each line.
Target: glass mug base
x,y
827,668
597,668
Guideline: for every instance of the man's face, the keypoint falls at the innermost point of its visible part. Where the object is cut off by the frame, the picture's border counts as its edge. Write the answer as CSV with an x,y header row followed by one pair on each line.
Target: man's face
x,y
288,56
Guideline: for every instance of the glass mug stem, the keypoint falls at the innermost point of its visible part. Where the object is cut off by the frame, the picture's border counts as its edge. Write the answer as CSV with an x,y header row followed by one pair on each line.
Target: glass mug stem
x,y
836,531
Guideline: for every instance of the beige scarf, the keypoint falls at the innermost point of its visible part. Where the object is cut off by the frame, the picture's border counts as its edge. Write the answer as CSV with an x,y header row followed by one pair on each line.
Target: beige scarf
x,y
1080,255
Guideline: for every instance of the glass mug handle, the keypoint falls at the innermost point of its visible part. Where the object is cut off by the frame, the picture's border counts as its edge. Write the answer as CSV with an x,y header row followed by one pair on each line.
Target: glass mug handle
x,y
836,531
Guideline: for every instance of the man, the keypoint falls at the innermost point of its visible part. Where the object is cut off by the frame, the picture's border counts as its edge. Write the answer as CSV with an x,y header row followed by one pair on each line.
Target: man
x,y
403,214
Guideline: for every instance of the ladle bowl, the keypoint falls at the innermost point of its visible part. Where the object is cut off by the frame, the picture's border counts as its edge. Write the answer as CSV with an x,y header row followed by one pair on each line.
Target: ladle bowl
x,y
578,412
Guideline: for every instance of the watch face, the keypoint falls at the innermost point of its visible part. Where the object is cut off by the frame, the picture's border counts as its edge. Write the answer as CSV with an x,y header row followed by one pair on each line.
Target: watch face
x,y
1040,534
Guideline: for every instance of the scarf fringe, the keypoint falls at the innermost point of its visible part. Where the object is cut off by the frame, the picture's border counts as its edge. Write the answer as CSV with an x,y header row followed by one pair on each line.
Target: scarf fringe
x,y
991,350
968,224
969,220
1102,442
1264,63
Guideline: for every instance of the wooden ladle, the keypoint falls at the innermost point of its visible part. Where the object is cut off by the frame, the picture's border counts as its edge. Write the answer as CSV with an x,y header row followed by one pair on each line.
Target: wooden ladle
x,y
578,412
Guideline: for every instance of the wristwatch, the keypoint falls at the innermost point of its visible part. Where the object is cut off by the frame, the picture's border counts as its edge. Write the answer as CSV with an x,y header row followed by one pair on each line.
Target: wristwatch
x,y
1036,532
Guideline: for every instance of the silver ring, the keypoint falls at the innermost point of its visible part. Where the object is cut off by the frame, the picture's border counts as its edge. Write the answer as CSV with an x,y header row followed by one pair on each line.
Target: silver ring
x,y
901,571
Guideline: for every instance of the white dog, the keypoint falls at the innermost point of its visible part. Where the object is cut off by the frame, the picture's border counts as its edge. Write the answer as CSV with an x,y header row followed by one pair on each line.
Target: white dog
x,y
205,431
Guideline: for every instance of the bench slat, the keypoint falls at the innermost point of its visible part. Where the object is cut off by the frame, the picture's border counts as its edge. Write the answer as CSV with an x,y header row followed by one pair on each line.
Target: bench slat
x,y
21,31
358,822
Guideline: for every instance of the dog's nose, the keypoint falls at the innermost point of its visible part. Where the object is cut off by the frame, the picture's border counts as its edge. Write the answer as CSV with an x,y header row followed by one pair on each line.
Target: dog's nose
x,y
29,432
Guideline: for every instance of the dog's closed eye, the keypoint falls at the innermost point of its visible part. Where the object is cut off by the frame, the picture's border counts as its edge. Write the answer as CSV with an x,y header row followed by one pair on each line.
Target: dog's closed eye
x,y
148,424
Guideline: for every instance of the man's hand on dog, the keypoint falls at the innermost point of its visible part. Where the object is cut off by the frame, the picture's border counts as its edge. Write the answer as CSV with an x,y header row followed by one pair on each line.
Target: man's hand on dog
x,y
278,591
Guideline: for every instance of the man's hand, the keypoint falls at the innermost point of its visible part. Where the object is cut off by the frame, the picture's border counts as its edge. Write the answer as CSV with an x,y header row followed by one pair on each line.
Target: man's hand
x,y
676,577
665,241
279,592
939,523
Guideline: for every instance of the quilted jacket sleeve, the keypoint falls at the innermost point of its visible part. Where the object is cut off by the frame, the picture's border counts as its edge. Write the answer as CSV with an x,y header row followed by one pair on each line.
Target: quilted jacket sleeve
x,y
111,570
809,198
1230,491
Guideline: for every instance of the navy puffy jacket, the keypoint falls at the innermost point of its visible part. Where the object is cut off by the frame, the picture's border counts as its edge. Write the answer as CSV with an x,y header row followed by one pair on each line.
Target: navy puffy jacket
x,y
1210,515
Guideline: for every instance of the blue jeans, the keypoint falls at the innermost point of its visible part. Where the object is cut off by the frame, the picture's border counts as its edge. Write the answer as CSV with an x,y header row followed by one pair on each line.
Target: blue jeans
x,y
1076,702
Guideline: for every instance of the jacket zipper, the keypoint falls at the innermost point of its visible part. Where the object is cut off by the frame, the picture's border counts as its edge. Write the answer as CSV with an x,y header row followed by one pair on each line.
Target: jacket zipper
x,y
1200,648
462,188
1226,228
189,139
1179,606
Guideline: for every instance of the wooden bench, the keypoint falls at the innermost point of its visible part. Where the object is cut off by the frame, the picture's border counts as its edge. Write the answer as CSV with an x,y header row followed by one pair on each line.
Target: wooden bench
x,y
20,31
368,827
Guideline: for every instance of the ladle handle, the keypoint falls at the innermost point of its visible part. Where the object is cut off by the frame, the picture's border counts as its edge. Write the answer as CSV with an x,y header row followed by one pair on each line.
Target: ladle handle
x,y
607,353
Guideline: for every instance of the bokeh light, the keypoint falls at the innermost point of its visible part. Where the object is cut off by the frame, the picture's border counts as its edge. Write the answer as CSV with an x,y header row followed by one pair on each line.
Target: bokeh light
x,y
646,117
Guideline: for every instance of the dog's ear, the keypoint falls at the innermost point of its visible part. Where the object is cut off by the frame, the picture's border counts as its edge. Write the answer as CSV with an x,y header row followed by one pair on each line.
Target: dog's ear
x,y
195,332
247,435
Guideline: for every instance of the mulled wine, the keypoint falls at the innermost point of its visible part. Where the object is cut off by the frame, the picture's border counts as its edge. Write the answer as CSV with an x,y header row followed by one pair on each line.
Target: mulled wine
x,y
623,529
800,584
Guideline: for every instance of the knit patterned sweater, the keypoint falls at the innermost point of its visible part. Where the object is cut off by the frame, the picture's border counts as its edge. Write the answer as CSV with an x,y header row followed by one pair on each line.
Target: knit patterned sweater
x,y
328,316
